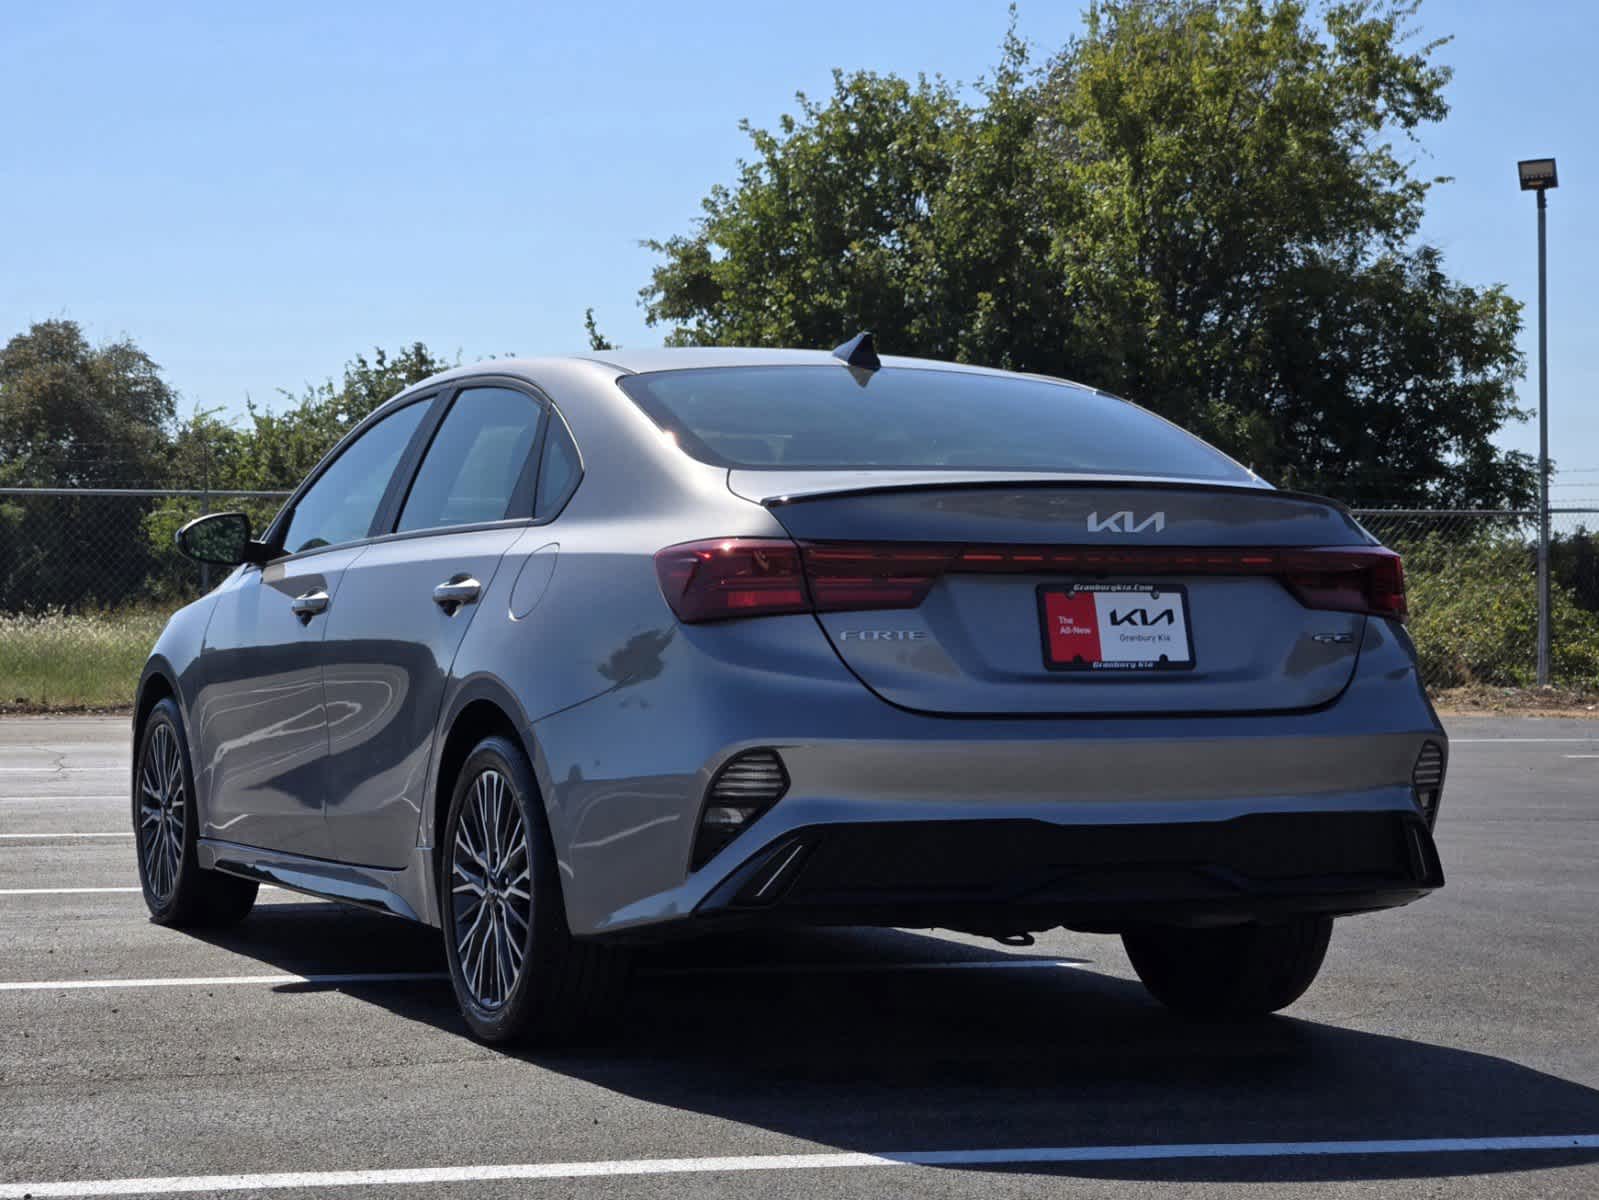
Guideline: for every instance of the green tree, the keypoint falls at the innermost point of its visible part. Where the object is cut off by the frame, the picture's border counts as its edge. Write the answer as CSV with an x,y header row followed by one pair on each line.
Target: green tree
x,y
280,448
1197,203
597,340
272,451
76,415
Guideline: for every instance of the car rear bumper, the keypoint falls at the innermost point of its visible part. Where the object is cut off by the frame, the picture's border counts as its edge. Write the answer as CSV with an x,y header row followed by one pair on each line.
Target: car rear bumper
x,y
1004,877
1090,822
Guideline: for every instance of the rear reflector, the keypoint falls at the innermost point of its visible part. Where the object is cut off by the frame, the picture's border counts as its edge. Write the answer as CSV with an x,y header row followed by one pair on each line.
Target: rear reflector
x,y
745,787
747,577
1427,780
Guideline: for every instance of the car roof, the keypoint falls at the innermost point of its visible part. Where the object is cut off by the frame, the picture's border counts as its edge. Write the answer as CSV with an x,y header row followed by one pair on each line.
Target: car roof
x,y
691,358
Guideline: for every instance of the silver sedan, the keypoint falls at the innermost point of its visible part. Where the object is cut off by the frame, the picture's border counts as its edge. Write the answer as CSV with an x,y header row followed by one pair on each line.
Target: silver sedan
x,y
565,655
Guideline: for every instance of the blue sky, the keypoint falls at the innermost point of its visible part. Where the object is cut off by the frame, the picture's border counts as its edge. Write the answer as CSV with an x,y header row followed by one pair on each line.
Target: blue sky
x,y
255,193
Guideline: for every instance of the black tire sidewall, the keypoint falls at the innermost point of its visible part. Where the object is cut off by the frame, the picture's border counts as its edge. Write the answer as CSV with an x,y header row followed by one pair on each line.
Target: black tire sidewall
x,y
1239,971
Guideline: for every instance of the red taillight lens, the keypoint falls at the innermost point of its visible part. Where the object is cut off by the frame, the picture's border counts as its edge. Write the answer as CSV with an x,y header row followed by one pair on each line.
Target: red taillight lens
x,y
846,578
1359,579
750,577
732,577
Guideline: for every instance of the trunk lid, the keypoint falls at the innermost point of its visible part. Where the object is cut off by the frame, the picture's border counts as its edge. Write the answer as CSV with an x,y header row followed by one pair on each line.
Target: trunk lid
x,y
1052,573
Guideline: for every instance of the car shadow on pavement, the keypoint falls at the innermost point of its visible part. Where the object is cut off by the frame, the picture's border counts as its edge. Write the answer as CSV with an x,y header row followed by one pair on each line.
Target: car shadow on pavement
x,y
801,1033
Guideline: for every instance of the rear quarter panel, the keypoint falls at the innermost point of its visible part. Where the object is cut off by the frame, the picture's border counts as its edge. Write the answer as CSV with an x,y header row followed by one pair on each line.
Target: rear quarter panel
x,y
590,620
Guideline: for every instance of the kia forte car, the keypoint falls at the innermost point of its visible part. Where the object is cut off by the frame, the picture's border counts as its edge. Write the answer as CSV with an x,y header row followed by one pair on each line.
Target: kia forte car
x,y
561,656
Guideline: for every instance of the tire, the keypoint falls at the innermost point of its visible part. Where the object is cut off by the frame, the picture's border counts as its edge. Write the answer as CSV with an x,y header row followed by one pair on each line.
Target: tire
x,y
519,974
1238,971
166,830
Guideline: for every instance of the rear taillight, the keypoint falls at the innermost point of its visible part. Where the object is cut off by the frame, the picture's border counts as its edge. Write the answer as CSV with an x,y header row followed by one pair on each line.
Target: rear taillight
x,y
748,577
732,577
1363,579
849,578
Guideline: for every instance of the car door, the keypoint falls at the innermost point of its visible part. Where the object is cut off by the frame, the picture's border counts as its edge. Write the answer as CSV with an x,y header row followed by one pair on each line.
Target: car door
x,y
404,607
261,727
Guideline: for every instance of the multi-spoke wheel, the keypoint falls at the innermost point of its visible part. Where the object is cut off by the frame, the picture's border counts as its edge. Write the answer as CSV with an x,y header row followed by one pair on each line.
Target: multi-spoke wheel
x,y
492,879
517,970
161,809
165,828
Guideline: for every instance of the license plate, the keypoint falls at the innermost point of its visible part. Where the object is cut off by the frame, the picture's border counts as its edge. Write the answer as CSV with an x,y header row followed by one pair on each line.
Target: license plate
x,y
1116,627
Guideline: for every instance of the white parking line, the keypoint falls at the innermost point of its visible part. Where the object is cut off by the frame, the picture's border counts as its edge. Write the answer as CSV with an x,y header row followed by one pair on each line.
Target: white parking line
x,y
985,964
62,798
63,891
999,964
93,891
37,837
120,768
1042,1155
78,985
1460,741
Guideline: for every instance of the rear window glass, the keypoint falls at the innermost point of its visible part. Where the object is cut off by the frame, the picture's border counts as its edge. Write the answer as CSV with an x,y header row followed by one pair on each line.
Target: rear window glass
x,y
825,417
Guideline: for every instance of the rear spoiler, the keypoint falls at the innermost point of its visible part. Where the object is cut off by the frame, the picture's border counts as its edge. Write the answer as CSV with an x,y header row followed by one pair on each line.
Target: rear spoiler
x,y
1034,482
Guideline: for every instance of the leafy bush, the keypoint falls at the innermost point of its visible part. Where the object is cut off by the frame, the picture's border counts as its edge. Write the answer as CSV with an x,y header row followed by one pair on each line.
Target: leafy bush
x,y
1474,613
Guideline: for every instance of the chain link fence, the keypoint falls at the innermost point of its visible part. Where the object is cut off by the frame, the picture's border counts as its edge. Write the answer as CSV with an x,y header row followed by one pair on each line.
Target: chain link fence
x,y
83,550
1473,584
1472,574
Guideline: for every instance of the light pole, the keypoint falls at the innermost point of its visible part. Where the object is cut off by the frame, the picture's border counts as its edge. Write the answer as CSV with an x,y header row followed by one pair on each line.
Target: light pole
x,y
1538,175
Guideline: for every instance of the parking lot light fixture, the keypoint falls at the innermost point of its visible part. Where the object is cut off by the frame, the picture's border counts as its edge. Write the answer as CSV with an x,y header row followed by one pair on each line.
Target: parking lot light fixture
x,y
1539,175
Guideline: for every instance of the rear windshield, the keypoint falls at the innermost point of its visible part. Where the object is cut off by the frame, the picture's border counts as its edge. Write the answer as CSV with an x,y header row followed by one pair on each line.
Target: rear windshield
x,y
826,417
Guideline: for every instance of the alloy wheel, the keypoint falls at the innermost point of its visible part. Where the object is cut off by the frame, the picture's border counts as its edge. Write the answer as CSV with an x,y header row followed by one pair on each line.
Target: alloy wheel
x,y
491,891
161,812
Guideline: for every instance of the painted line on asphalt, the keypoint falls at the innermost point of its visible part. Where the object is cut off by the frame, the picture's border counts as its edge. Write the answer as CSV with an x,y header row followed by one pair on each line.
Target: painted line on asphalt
x,y
64,891
1464,741
122,769
95,891
4,799
38,837
1018,1156
79,985
45,985
986,964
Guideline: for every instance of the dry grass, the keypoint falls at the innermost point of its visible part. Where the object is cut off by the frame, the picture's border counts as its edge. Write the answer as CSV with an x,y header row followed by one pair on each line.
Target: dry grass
x,y
59,662
1482,700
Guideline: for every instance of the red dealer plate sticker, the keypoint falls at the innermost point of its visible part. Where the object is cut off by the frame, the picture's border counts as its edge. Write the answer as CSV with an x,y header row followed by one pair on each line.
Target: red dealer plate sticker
x,y
1116,627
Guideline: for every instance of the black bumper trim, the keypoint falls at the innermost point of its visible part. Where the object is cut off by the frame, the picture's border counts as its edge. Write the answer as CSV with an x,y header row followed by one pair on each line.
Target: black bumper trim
x,y
1005,874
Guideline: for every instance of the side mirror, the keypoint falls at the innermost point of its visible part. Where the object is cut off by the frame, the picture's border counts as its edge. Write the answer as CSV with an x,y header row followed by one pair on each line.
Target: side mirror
x,y
221,538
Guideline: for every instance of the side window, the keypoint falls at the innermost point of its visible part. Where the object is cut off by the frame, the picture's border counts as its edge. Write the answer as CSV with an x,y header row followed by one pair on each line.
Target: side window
x,y
477,458
558,473
340,505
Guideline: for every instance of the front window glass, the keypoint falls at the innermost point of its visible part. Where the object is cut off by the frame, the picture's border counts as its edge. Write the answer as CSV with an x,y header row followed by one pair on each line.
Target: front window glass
x,y
831,417
341,504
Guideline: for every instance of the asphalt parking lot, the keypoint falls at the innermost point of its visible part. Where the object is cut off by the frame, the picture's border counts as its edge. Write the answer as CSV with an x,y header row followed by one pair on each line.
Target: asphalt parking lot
x,y
315,1046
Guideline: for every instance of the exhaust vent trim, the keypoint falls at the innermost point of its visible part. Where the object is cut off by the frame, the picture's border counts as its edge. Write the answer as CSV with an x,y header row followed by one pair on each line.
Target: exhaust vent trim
x,y
746,786
1427,780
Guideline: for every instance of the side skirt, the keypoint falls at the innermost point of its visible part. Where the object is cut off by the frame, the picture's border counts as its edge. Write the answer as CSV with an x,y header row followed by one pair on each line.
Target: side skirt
x,y
407,892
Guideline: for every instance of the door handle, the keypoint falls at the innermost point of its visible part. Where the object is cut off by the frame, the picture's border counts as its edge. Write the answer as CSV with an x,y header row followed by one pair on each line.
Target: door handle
x,y
307,606
453,593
